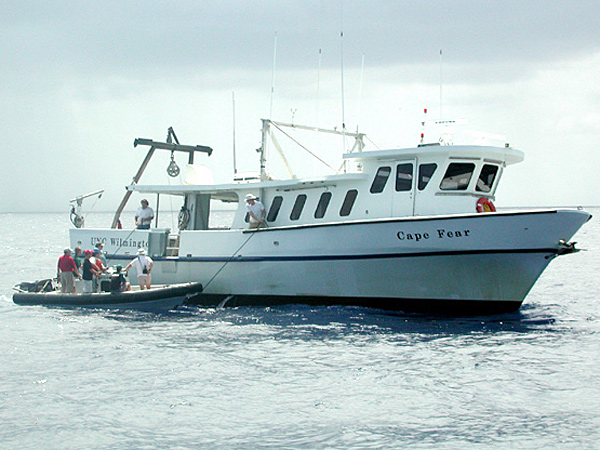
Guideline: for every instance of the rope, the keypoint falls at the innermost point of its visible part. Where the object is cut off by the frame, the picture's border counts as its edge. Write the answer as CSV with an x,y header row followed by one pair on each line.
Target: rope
x,y
230,259
303,147
124,240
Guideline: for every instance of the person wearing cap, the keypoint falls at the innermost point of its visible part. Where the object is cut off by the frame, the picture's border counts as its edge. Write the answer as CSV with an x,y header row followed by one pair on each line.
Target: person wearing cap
x,y
101,253
256,212
118,283
89,269
144,216
97,259
100,268
67,270
143,266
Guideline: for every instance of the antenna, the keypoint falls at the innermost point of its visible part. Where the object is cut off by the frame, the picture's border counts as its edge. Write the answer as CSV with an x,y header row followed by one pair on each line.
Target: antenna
x,y
293,111
342,83
318,87
423,125
360,85
273,76
342,63
441,84
233,112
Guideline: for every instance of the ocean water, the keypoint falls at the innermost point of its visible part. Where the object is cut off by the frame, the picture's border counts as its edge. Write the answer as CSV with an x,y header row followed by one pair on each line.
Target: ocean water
x,y
297,376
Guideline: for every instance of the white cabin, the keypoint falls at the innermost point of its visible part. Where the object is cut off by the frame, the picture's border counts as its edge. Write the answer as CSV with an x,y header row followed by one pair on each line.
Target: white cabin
x,y
425,180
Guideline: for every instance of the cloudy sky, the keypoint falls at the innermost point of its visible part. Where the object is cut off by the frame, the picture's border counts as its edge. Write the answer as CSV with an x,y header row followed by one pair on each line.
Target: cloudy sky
x,y
80,80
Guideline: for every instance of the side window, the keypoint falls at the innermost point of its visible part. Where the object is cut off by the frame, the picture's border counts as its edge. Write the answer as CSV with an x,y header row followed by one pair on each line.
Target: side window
x,y
323,204
380,180
486,178
404,177
457,177
274,209
348,202
298,207
426,171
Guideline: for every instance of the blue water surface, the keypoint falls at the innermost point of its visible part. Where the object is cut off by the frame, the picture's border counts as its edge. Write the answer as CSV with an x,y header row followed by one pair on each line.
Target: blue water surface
x,y
297,376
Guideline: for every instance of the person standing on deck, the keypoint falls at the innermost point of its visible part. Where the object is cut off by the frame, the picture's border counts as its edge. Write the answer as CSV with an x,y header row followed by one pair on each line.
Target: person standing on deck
x,y
143,266
144,216
256,212
67,270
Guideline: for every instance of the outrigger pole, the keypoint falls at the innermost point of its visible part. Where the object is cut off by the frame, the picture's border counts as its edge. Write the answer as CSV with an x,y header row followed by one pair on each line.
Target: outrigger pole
x,y
169,145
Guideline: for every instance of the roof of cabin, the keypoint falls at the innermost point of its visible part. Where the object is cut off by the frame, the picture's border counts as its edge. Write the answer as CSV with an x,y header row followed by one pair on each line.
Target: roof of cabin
x,y
229,192
506,154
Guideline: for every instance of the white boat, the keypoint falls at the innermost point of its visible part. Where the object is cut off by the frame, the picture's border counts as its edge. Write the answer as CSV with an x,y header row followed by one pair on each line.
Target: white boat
x,y
410,229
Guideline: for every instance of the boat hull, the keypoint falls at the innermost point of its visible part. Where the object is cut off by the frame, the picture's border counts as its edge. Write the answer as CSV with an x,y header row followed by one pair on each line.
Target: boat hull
x,y
152,300
479,263
429,306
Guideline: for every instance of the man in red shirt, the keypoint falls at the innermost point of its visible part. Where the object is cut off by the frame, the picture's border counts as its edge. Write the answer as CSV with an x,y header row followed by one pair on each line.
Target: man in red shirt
x,y
67,270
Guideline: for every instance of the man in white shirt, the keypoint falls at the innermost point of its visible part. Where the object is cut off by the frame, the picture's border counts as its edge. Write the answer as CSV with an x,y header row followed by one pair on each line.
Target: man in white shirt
x,y
144,216
143,266
256,212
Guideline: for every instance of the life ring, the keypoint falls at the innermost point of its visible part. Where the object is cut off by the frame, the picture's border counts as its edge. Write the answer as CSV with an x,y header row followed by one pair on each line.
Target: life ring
x,y
484,204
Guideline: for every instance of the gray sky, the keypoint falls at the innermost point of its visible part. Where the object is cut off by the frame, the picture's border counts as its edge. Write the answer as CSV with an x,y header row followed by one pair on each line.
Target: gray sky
x,y
81,80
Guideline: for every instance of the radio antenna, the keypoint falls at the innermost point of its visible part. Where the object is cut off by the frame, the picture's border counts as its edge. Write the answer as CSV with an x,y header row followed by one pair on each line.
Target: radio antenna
x,y
318,87
360,85
441,85
342,83
233,112
273,76
342,76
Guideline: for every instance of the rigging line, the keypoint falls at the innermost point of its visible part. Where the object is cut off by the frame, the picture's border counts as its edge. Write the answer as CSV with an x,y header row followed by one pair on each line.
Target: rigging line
x,y
93,205
122,242
302,146
369,139
252,233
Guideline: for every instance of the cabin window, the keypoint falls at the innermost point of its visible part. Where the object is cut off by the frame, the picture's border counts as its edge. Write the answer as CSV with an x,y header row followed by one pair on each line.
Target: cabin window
x,y
383,173
404,177
323,204
348,202
426,171
274,209
298,207
457,177
486,178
